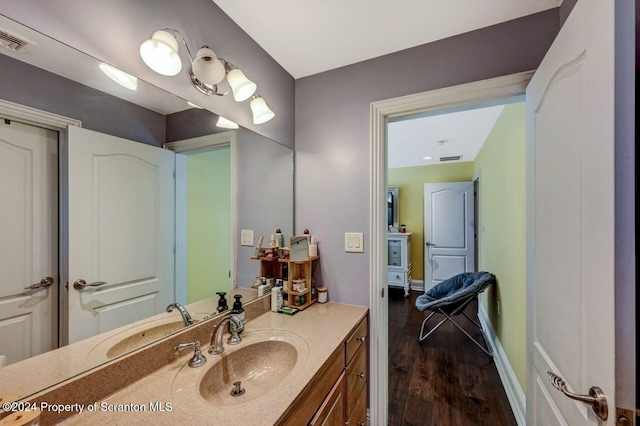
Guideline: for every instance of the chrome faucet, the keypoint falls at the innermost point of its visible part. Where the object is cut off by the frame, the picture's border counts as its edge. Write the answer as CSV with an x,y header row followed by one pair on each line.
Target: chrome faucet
x,y
185,315
218,331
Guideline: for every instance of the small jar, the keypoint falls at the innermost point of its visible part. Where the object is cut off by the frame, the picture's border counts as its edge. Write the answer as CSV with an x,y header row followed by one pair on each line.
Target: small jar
x,y
403,228
322,295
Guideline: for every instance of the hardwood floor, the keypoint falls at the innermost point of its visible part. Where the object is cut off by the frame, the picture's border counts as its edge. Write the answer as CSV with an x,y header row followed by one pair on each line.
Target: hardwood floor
x,y
444,380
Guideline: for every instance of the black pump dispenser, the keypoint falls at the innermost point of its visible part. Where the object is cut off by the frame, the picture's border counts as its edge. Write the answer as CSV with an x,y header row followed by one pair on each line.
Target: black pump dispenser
x,y
237,310
222,302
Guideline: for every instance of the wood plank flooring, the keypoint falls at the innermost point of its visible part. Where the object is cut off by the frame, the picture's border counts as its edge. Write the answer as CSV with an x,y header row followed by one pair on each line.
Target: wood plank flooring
x,y
444,380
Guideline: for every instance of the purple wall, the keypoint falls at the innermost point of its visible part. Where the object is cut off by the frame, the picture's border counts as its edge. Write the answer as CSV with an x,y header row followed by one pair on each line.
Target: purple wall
x,y
31,86
112,31
332,130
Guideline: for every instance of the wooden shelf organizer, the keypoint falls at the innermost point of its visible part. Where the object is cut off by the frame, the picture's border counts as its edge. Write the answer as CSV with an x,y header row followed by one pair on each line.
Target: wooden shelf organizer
x,y
289,271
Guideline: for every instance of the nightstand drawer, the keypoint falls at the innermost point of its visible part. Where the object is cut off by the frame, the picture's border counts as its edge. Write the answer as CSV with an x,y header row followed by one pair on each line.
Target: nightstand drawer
x,y
396,277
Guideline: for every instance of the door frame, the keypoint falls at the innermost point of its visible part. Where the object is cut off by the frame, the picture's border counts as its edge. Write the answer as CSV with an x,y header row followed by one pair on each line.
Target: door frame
x,y
192,146
58,123
488,92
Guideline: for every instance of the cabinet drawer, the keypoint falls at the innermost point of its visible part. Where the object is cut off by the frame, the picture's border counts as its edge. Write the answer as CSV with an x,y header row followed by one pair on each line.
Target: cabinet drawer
x,y
357,376
395,252
359,413
356,340
395,261
396,277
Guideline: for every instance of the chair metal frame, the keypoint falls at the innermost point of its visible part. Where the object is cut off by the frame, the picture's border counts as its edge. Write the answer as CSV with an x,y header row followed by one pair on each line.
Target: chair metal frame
x,y
459,309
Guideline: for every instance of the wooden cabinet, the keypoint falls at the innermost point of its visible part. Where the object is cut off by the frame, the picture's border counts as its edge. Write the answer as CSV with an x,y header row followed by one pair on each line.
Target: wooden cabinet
x,y
399,260
337,395
332,410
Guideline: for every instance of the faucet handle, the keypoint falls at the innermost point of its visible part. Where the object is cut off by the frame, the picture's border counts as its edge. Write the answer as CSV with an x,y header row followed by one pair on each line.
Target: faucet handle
x,y
198,359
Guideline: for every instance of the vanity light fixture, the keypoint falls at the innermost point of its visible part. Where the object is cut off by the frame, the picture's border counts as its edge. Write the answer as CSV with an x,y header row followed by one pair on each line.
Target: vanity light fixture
x,y
261,112
225,123
120,77
207,70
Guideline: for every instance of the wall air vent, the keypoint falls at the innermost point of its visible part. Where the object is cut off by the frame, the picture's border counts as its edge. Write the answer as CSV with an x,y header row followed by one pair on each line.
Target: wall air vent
x,y
12,41
451,158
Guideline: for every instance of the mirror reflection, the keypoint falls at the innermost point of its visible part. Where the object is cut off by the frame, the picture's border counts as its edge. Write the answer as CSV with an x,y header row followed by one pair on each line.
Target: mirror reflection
x,y
99,235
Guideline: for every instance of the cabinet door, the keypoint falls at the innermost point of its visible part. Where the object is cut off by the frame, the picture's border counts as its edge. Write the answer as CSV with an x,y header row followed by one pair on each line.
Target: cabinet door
x,y
332,411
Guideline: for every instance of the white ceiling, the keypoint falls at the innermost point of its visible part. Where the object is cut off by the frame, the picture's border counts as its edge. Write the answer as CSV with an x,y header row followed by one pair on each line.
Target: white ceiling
x,y
464,133
311,36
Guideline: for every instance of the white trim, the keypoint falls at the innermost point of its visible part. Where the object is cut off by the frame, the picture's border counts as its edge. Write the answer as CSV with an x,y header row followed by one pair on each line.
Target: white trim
x,y
480,92
514,392
36,117
417,285
193,146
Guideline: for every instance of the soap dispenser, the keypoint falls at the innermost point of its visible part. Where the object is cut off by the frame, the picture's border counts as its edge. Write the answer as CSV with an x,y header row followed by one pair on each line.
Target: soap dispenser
x,y
238,311
222,302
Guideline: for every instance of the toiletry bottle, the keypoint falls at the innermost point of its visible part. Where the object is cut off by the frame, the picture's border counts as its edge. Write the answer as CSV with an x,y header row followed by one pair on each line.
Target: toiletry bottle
x,y
276,298
272,242
278,238
313,247
222,302
238,311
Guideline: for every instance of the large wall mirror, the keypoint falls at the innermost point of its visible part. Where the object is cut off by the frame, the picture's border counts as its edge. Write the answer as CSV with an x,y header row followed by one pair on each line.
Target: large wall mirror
x,y
116,204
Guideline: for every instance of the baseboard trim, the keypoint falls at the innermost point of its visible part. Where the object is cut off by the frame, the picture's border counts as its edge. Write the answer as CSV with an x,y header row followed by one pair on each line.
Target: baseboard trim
x,y
417,285
515,395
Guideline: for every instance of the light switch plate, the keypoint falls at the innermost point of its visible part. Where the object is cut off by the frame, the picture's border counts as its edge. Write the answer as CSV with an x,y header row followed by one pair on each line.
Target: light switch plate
x,y
246,237
354,242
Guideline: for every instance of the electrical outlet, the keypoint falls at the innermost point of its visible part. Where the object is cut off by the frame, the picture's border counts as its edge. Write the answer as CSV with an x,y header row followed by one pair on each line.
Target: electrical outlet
x,y
498,307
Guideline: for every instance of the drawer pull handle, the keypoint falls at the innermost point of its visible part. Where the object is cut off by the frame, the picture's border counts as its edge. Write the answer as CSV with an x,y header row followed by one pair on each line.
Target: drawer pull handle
x,y
362,339
361,375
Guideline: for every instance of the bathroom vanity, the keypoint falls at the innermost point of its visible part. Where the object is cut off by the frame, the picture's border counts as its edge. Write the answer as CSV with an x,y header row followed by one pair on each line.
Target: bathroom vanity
x,y
311,367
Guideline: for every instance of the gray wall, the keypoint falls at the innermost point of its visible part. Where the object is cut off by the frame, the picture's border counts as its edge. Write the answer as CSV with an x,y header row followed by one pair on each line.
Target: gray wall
x,y
31,86
332,130
113,30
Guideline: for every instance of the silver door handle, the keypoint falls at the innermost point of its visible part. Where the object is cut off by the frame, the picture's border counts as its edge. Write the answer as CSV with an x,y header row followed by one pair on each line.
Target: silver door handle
x,y
596,399
81,284
45,282
429,243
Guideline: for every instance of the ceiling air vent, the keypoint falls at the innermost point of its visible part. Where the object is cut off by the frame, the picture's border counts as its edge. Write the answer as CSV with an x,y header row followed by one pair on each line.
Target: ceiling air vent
x,y
451,158
11,41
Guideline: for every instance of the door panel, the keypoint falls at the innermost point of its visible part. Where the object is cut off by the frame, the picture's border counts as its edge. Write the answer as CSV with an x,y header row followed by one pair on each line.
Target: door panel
x,y
448,230
570,218
29,240
121,231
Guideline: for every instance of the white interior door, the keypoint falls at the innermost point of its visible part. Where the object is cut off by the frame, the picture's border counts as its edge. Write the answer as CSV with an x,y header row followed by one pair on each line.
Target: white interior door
x,y
28,240
121,231
448,231
570,219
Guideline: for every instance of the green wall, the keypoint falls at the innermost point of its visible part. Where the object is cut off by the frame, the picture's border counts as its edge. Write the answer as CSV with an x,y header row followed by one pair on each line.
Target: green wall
x,y
208,226
410,181
502,236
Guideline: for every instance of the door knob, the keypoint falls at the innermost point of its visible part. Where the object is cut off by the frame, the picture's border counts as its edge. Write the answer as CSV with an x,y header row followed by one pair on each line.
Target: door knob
x,y
430,244
45,282
81,284
596,399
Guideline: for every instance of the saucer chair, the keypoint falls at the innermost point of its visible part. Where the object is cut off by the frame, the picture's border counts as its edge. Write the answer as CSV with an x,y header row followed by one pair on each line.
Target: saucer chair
x,y
451,297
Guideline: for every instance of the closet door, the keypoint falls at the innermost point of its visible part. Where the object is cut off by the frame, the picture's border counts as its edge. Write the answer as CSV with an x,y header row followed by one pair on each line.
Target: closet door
x,y
28,241
121,232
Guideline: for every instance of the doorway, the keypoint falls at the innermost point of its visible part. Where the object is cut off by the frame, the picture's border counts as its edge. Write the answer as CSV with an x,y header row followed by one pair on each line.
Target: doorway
x,y
500,154
488,92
